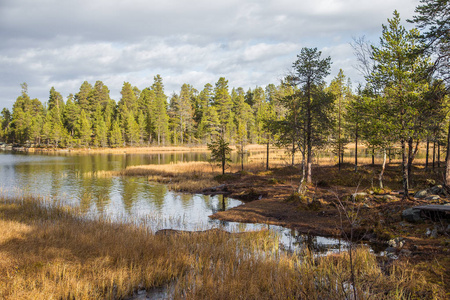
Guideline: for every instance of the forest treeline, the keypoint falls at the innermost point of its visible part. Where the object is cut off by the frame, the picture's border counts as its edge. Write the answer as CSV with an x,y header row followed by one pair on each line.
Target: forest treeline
x,y
403,102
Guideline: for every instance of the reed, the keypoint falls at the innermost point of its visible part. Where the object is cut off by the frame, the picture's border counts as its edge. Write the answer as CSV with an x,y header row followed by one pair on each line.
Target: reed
x,y
52,252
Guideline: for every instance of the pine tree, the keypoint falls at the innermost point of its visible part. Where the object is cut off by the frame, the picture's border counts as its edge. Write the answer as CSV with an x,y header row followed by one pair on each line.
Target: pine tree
x,y
81,98
398,69
6,119
309,71
159,113
203,102
70,115
146,104
223,104
220,152
341,90
243,118
22,117
115,135
83,129
99,128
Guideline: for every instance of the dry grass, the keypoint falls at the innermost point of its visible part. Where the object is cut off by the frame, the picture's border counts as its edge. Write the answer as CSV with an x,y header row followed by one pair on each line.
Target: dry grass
x,y
141,149
185,176
188,177
53,253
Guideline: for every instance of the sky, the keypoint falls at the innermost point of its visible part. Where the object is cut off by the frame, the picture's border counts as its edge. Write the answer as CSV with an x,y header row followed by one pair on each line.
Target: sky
x,y
60,44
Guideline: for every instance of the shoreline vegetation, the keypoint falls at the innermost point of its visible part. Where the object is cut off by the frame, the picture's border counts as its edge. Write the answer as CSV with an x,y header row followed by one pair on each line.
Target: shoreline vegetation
x,y
52,252
270,197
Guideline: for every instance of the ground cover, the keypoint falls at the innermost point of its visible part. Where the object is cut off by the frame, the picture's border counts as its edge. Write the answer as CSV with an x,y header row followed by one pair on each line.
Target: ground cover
x,y
270,197
52,252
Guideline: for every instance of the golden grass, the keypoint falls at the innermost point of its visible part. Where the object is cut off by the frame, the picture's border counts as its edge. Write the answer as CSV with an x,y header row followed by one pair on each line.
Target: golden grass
x,y
53,253
184,176
188,177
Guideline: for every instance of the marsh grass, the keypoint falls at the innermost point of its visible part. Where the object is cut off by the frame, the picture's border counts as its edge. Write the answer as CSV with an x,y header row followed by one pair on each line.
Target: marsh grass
x,y
52,252
186,176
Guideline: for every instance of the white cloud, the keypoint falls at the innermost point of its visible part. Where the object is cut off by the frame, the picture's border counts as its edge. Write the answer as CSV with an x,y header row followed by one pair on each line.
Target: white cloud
x,y
62,43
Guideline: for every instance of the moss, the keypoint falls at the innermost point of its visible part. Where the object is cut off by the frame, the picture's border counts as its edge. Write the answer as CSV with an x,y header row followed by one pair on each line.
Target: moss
x,y
272,181
295,197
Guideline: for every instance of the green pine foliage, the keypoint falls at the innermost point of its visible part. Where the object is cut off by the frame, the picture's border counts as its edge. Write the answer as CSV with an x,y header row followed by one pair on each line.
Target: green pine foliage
x,y
402,103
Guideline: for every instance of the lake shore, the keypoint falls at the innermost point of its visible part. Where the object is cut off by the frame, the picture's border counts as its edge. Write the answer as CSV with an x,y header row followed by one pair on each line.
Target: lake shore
x,y
127,149
270,198
53,252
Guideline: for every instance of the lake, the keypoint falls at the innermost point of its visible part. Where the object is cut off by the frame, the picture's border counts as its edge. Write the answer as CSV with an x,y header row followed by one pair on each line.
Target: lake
x,y
66,178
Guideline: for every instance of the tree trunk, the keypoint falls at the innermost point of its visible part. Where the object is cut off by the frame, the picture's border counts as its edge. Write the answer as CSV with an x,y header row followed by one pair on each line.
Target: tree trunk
x,y
356,149
447,160
223,162
242,157
404,171
308,135
411,155
439,155
426,154
293,152
380,178
373,157
267,158
409,161
301,189
434,153
339,135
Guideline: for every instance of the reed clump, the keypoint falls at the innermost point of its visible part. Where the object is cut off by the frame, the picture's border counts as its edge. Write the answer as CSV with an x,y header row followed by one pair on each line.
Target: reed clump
x,y
52,252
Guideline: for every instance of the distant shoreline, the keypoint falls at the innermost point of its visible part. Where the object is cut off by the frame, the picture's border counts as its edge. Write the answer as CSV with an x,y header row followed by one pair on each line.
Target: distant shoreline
x,y
121,150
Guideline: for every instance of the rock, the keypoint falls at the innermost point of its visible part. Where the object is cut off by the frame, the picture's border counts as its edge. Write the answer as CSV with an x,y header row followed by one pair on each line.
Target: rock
x,y
434,233
411,215
390,250
397,242
392,256
428,232
438,190
421,194
432,197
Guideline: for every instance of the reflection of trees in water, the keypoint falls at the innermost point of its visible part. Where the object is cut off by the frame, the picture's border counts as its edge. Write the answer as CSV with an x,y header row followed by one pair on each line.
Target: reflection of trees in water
x,y
101,194
129,192
154,195
206,201
312,243
56,180
221,205
186,200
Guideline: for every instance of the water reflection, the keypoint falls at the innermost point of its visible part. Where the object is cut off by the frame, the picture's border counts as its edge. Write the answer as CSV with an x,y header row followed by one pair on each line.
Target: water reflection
x,y
68,179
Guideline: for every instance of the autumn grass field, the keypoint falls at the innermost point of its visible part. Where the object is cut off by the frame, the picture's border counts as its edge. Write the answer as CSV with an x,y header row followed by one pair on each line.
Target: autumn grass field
x,y
52,252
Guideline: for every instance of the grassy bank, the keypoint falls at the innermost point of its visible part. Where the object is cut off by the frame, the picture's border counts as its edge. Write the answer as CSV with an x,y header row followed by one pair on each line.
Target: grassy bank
x,y
184,176
53,253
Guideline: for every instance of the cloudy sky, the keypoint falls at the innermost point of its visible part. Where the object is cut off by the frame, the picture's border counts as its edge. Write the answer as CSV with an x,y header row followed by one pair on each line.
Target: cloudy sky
x,y
61,43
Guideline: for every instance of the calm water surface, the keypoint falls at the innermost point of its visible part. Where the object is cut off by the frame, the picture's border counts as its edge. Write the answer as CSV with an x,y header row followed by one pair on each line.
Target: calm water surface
x,y
65,178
